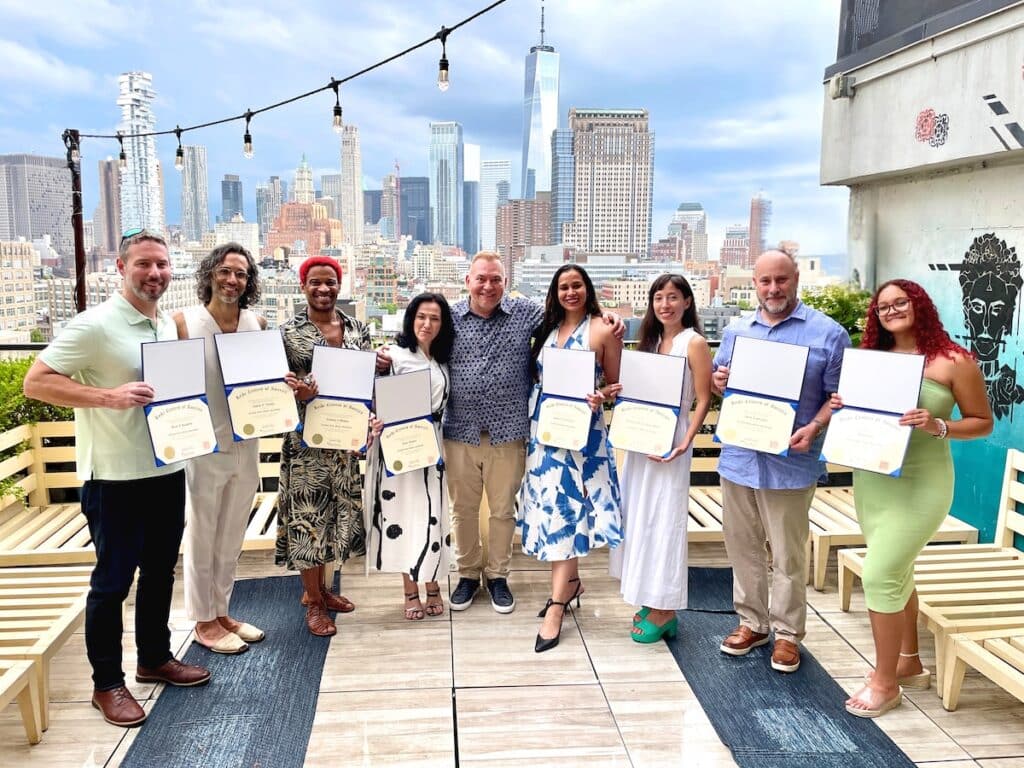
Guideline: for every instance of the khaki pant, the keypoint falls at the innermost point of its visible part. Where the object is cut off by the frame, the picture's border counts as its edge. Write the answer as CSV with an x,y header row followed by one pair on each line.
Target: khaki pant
x,y
763,525
472,470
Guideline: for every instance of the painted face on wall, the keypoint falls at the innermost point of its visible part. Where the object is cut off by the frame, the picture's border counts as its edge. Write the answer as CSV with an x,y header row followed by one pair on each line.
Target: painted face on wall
x,y
990,280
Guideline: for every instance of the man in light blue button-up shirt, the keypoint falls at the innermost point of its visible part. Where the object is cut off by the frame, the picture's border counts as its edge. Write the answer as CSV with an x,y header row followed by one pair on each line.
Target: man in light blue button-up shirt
x,y
765,498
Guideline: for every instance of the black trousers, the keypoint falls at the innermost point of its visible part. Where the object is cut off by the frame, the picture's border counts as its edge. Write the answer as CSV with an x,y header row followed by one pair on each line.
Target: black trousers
x,y
135,524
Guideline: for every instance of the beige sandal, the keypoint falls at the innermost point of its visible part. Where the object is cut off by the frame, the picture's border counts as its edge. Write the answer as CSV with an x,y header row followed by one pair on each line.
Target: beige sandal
x,y
878,711
435,608
412,612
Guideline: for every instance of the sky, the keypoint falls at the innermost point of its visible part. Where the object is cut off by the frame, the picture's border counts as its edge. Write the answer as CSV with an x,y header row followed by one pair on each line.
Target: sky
x,y
733,88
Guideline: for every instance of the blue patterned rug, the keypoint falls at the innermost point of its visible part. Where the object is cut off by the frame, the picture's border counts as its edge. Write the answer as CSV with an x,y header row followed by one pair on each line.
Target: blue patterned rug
x,y
258,708
768,719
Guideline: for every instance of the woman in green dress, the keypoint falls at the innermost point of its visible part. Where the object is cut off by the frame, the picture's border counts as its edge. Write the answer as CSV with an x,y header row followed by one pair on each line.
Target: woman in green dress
x,y
899,515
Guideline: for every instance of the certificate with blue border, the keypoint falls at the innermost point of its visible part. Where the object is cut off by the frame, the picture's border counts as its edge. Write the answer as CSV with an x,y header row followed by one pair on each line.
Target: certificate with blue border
x,y
409,439
338,417
178,418
564,415
877,388
647,411
254,364
761,397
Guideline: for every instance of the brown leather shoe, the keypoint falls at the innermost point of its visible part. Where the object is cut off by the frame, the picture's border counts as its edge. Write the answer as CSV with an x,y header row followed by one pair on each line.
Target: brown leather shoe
x,y
742,641
119,707
785,656
333,602
318,622
173,672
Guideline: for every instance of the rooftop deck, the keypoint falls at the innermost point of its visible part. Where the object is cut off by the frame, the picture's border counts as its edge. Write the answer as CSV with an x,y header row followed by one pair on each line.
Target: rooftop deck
x,y
388,687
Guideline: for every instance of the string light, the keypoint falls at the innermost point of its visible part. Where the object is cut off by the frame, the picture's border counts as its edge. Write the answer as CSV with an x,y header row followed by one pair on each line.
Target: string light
x,y
337,124
442,66
247,138
122,159
179,156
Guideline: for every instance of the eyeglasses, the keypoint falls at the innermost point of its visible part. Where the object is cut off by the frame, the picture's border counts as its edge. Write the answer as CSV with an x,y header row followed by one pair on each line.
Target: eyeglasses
x,y
223,273
900,305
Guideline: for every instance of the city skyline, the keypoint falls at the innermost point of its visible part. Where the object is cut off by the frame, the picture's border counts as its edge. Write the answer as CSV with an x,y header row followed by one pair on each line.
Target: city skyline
x,y
723,133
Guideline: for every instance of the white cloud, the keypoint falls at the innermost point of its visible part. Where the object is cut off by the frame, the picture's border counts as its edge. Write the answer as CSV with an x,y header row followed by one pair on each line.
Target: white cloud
x,y
79,22
37,70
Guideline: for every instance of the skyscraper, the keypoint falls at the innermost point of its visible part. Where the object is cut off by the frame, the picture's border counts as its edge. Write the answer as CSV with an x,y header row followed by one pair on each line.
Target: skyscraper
x,y
522,223
391,206
760,218
446,178
540,116
195,204
471,198
735,246
613,182
492,172
108,212
230,197
415,208
372,199
269,197
690,224
141,188
302,188
352,217
330,186
563,172
35,200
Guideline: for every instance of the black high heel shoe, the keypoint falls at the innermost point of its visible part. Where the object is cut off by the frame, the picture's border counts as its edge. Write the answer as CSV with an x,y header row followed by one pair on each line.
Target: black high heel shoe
x,y
575,595
547,643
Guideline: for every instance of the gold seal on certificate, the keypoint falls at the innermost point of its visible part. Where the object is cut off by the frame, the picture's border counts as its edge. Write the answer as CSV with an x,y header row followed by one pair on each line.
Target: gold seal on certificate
x,y
181,430
643,427
180,426
336,424
755,423
564,423
262,409
409,446
866,440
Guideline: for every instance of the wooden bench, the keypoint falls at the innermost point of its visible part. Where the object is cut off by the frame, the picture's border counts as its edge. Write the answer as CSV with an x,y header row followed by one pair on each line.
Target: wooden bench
x,y
832,516
45,532
998,654
18,681
965,587
40,607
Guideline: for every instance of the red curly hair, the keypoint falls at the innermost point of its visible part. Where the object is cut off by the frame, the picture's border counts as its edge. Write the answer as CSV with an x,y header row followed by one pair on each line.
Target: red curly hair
x,y
932,339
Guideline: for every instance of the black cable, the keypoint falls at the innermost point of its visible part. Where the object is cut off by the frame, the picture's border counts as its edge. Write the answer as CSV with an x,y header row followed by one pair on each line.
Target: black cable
x,y
441,35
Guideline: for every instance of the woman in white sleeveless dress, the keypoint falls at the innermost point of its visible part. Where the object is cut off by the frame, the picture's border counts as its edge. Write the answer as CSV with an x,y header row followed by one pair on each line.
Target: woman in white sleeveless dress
x,y
651,562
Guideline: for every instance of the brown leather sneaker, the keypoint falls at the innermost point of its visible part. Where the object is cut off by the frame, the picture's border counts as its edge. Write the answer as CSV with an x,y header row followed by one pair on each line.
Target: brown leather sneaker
x,y
742,640
173,672
119,707
785,656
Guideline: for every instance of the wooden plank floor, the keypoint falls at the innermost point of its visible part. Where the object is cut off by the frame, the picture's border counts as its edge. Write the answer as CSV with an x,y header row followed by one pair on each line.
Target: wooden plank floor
x,y
386,692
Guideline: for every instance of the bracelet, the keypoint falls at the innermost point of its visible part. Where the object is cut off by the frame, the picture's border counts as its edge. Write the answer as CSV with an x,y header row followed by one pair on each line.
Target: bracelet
x,y
943,429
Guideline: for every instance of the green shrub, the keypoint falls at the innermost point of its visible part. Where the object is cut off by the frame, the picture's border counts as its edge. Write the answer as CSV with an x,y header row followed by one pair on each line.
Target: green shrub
x,y
846,304
15,408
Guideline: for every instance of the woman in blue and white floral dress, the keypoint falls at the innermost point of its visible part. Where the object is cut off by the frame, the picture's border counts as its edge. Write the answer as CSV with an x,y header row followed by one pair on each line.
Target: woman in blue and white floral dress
x,y
569,501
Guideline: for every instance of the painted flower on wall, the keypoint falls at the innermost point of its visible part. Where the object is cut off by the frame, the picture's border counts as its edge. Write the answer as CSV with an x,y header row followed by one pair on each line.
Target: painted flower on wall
x,y
1004,392
931,127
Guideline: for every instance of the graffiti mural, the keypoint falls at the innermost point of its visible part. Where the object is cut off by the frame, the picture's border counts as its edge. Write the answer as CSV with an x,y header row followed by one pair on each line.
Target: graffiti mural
x,y
931,128
1013,128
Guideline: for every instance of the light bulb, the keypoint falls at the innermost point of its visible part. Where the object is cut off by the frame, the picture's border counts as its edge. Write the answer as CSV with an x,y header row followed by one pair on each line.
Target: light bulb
x,y
337,125
179,159
247,146
76,156
122,160
442,74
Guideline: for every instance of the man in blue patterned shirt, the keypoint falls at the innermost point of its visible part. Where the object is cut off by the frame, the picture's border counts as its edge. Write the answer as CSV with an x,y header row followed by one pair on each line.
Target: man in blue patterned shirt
x,y
765,498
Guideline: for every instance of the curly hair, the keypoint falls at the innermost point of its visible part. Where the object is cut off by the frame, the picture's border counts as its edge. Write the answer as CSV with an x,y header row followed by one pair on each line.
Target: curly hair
x,y
931,338
205,270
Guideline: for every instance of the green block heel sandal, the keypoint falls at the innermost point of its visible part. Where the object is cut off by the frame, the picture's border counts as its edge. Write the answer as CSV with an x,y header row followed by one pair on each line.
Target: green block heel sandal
x,y
652,633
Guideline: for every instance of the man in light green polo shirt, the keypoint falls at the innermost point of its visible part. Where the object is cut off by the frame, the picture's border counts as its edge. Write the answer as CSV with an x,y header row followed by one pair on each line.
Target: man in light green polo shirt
x,y
136,510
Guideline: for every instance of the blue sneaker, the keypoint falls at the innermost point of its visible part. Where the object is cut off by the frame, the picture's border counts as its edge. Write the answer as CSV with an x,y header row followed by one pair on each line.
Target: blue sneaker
x,y
501,596
464,593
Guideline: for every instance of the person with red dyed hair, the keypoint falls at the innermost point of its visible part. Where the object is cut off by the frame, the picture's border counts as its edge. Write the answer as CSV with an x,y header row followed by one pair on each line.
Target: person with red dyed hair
x,y
899,515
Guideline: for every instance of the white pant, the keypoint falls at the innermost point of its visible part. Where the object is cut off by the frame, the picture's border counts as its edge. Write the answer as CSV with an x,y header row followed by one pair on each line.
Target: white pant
x,y
221,487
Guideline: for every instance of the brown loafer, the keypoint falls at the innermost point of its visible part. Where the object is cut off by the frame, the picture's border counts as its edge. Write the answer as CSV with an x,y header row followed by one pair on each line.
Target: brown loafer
x,y
742,641
318,622
333,602
785,656
173,672
119,707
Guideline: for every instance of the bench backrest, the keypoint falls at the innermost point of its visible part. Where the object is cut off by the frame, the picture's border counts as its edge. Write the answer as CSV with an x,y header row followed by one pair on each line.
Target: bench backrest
x,y
1011,507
